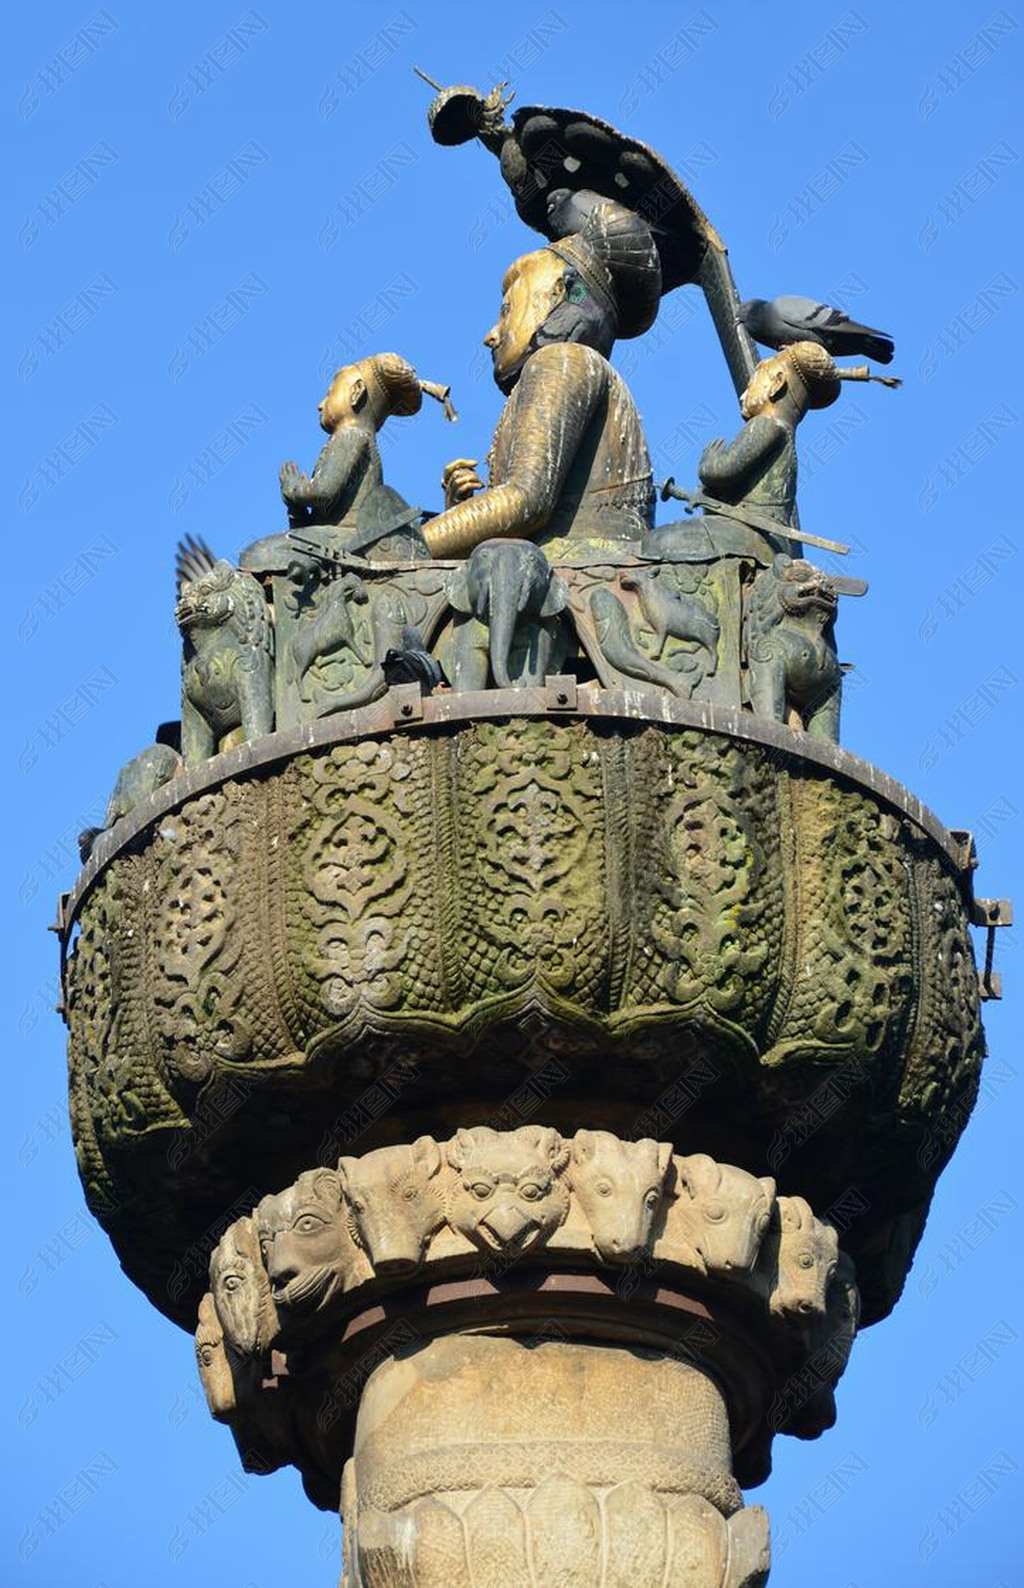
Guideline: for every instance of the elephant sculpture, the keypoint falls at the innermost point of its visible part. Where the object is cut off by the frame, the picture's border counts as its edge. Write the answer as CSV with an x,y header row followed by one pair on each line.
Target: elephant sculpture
x,y
506,599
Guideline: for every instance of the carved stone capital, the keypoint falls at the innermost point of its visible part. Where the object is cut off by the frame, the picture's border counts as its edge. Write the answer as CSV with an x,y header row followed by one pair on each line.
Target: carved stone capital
x,y
461,1325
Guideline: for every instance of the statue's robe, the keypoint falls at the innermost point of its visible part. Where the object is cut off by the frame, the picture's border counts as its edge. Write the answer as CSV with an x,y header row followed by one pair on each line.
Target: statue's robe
x,y
568,467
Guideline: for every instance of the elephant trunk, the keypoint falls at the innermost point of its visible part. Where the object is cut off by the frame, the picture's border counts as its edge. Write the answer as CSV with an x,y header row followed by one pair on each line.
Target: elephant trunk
x,y
503,614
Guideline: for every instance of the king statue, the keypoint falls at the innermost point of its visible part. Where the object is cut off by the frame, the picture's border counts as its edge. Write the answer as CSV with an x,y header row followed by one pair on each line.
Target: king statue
x,y
568,466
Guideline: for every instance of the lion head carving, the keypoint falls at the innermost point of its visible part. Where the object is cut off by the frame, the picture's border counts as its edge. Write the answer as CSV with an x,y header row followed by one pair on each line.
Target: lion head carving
x,y
225,597
308,1252
509,1194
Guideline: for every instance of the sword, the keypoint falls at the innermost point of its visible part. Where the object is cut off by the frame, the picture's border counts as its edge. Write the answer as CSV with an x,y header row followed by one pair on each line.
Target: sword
x,y
750,517
364,538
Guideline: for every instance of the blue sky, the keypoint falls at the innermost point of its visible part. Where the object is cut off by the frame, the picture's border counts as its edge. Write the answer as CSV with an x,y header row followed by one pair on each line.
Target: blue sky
x,y
210,206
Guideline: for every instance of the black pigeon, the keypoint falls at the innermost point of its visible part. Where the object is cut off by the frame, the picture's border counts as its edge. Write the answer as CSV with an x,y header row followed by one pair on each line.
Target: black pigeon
x,y
413,664
87,842
789,319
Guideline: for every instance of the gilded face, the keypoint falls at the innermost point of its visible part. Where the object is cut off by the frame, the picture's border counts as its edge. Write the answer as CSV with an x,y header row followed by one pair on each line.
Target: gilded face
x,y
343,398
767,386
532,288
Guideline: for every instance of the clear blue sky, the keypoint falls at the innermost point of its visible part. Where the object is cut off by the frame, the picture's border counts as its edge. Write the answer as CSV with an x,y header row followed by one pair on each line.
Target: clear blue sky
x,y
872,153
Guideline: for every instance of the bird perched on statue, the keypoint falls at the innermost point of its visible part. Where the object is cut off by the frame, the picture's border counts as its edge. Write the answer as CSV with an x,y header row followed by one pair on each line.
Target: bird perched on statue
x,y
783,321
413,663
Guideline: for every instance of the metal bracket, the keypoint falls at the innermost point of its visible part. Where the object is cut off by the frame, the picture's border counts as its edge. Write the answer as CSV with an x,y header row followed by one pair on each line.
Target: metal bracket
x,y
406,702
991,914
967,854
990,986
60,923
560,692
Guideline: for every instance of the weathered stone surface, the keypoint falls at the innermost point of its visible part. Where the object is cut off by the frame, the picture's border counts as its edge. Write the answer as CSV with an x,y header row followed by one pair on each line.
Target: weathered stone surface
x,y
695,930
493,1461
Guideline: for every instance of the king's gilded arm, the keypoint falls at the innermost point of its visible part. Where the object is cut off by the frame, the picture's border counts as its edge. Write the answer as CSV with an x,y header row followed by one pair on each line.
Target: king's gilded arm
x,y
557,393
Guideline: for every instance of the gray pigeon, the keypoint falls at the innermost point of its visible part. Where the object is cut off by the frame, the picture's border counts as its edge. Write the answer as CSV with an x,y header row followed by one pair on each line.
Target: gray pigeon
x,y
786,320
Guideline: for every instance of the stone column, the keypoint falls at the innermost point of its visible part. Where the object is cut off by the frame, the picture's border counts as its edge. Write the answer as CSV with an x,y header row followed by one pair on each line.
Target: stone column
x,y
508,1460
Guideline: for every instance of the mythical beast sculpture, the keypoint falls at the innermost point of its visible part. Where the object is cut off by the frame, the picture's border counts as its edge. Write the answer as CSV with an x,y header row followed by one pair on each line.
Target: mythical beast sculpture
x,y
228,664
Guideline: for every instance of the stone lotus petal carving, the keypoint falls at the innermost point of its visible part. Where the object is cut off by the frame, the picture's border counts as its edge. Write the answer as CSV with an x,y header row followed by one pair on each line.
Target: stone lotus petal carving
x,y
721,1213
564,1535
496,1543
509,1195
705,1548
620,1186
395,1203
748,1548
563,1525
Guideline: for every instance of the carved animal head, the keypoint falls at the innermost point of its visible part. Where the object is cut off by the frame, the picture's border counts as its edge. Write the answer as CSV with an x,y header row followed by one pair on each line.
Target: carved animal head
x,y
306,1246
509,1195
206,602
842,1315
637,578
394,1203
225,597
804,590
212,1361
510,586
507,577
241,1289
728,1212
352,588
620,1185
808,1254
830,1340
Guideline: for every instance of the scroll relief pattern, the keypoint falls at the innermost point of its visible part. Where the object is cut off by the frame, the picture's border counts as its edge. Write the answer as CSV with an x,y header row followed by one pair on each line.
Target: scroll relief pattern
x,y
441,883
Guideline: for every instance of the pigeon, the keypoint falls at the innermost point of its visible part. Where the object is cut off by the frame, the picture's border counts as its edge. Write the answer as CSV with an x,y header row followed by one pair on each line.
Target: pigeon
x,y
785,320
413,664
